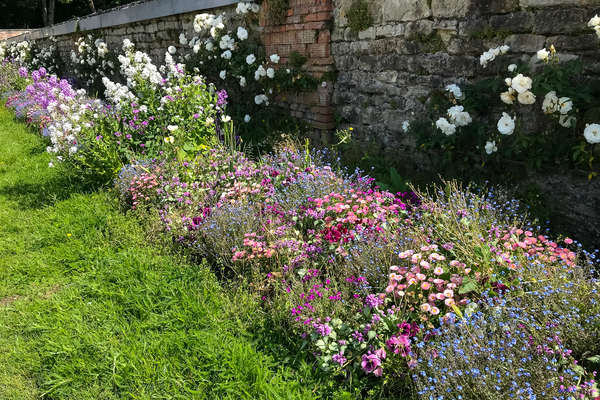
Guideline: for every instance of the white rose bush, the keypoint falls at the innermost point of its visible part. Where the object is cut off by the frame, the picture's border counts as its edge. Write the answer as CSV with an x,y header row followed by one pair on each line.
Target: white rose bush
x,y
530,115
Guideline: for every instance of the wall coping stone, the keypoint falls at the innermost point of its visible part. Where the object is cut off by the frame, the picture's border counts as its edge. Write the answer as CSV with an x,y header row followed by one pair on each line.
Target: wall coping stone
x,y
124,15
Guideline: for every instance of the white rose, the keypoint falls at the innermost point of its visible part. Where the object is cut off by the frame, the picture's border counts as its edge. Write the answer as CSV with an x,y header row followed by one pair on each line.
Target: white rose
x,y
526,98
504,49
507,97
223,74
508,82
172,128
543,54
172,50
446,127
550,104
455,90
512,67
405,126
182,39
567,121
506,124
521,83
490,147
275,58
242,33
592,133
271,73
209,46
565,105
242,81
595,21
247,118
226,55
250,59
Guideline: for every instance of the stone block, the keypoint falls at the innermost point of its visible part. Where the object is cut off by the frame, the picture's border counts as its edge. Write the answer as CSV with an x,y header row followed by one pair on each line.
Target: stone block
x,y
554,3
404,10
525,43
450,8
561,20
517,22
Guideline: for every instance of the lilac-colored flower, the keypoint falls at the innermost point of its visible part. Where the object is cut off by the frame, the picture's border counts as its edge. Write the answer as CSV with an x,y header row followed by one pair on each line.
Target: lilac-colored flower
x,y
372,301
339,358
322,329
23,72
222,98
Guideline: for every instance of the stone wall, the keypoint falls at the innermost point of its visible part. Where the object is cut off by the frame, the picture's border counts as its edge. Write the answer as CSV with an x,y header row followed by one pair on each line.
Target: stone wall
x,y
415,46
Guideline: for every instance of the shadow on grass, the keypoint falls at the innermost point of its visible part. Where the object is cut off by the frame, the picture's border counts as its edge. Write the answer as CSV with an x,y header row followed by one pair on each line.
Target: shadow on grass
x,y
39,195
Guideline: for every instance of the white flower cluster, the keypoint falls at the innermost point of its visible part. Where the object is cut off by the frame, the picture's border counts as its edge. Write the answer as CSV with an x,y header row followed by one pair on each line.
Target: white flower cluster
x,y
17,51
491,54
90,60
69,116
211,22
562,105
136,65
594,23
46,57
116,93
246,7
519,88
457,115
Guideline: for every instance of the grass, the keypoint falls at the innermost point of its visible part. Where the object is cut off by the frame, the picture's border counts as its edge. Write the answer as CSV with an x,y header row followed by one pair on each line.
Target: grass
x,y
90,310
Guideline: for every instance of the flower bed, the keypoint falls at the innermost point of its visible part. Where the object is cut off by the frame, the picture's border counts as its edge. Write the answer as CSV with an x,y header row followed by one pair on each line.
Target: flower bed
x,y
449,294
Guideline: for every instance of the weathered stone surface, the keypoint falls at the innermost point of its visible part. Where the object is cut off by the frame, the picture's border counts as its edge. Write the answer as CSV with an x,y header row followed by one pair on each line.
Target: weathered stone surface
x,y
525,43
450,8
552,3
403,10
517,22
560,20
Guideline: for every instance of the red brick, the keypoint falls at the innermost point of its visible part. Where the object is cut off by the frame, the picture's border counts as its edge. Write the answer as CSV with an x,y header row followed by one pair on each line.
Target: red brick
x,y
306,36
319,50
324,36
318,16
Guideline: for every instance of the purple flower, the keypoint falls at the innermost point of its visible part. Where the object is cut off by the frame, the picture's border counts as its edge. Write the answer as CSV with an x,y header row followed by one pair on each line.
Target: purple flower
x,y
222,98
339,358
322,329
372,301
371,362
23,72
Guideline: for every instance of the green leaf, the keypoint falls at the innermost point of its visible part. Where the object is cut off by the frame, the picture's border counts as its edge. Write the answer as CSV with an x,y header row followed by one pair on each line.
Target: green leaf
x,y
468,285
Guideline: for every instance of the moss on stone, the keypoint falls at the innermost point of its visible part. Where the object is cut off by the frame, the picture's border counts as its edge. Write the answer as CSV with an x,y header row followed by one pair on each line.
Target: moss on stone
x,y
359,16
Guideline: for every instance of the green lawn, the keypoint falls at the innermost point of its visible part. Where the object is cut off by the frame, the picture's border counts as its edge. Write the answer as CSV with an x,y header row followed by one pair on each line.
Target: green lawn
x,y
90,310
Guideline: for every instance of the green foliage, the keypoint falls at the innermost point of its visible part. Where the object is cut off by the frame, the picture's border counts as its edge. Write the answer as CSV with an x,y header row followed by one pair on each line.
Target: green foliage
x,y
359,16
550,146
297,60
431,43
90,310
277,11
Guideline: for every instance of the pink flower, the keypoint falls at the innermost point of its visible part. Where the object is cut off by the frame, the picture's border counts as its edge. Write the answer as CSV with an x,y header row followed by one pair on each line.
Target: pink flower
x,y
425,285
438,270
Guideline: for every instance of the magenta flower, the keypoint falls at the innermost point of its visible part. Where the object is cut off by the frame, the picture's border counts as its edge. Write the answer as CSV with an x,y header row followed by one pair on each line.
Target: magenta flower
x,y
371,362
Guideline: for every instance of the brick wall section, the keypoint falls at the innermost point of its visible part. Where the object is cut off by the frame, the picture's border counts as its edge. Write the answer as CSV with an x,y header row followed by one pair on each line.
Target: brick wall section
x,y
306,30
7,33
